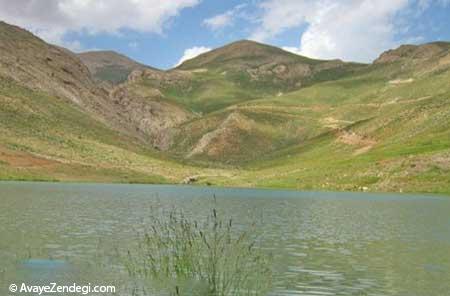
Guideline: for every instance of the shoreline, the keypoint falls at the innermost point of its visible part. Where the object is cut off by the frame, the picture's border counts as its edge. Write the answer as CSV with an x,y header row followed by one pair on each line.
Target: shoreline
x,y
222,187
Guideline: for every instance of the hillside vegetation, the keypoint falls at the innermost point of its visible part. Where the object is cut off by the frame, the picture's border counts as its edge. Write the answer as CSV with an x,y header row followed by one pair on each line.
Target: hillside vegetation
x,y
246,114
56,124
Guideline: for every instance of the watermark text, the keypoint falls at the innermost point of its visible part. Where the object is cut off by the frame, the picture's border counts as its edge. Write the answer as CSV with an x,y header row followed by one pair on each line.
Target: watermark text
x,y
54,288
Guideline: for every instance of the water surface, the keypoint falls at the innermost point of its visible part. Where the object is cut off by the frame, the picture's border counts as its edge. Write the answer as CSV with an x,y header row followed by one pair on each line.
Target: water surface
x,y
323,243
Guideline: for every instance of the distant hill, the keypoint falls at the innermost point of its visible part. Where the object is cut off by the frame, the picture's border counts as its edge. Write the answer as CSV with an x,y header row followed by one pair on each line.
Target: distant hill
x,y
109,66
246,114
247,70
263,64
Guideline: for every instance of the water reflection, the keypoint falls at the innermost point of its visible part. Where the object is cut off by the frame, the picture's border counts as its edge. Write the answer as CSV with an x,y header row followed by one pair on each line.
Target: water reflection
x,y
323,244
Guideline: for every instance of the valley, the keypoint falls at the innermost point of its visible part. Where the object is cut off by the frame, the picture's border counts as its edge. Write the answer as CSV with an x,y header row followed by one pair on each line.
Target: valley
x,y
245,115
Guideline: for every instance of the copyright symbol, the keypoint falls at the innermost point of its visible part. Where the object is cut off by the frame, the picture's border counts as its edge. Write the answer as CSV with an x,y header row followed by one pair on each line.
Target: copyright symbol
x,y
13,288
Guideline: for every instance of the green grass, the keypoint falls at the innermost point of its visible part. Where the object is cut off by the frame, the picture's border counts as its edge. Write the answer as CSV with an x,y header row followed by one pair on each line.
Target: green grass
x,y
286,137
409,124
181,256
35,127
209,92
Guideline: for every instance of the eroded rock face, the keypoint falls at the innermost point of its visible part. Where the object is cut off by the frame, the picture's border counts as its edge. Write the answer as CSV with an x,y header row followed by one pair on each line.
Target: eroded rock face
x,y
154,119
53,70
40,66
223,139
280,71
56,71
159,78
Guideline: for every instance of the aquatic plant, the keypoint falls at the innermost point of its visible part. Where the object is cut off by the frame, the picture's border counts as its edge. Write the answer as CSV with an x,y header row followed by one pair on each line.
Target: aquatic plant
x,y
181,256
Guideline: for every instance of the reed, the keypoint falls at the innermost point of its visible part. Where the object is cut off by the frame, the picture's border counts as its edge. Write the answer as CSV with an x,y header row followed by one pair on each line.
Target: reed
x,y
182,256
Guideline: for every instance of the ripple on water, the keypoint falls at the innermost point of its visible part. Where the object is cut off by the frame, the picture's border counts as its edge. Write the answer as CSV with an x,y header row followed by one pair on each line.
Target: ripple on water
x,y
323,243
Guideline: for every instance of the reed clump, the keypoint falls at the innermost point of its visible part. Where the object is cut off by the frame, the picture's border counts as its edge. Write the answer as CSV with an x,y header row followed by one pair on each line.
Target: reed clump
x,y
182,256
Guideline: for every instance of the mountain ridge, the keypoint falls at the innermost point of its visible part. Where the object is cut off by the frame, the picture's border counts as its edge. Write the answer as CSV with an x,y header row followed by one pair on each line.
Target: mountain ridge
x,y
246,114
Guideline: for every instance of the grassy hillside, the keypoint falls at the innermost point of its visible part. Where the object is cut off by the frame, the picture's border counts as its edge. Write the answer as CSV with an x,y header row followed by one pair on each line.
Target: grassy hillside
x,y
384,130
244,71
246,114
56,124
47,138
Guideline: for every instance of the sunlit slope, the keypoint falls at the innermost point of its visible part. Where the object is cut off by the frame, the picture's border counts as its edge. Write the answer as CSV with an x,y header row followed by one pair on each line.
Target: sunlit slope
x,y
57,124
239,135
242,71
246,114
386,129
256,129
48,138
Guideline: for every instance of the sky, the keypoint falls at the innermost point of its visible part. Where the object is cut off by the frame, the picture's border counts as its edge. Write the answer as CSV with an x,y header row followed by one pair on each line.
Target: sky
x,y
163,33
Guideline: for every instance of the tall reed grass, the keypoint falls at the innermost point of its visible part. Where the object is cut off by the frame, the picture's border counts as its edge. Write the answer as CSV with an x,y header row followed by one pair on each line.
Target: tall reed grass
x,y
181,256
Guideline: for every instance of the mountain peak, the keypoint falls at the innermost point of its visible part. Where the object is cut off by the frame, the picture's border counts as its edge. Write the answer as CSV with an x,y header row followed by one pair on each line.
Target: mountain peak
x,y
247,43
243,52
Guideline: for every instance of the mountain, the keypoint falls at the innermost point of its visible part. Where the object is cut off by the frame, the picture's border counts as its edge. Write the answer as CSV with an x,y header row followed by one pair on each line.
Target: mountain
x,y
31,62
109,66
385,128
246,114
265,63
247,70
333,130
56,122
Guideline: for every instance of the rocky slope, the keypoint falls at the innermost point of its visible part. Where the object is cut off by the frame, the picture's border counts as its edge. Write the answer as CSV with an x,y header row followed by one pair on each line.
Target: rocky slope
x,y
37,65
41,67
110,66
260,62
246,114
155,119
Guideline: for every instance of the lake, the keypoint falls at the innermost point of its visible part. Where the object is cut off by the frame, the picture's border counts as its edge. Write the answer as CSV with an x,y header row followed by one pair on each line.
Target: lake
x,y
322,243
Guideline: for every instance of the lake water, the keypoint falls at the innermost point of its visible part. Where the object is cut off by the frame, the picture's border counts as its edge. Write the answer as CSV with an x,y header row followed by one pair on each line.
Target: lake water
x,y
323,243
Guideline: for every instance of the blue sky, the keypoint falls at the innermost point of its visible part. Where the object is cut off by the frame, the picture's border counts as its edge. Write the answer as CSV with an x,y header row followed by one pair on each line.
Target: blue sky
x,y
160,33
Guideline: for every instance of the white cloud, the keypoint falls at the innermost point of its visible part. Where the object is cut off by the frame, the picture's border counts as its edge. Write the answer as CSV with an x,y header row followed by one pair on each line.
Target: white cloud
x,y
219,21
355,30
133,45
227,18
280,15
191,53
53,19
